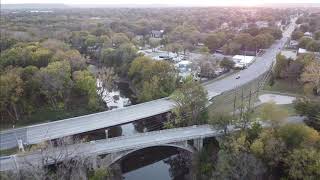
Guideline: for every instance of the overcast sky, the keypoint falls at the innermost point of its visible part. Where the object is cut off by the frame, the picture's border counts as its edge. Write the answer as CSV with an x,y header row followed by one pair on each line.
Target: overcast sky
x,y
169,2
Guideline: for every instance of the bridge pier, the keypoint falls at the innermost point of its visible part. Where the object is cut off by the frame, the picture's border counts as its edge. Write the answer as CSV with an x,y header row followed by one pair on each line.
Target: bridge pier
x,y
198,144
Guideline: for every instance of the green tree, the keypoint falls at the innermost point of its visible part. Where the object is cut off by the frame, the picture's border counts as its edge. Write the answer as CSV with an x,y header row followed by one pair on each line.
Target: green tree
x,y
304,41
296,35
11,86
227,63
311,109
303,164
190,103
221,120
55,83
281,64
275,115
152,79
85,83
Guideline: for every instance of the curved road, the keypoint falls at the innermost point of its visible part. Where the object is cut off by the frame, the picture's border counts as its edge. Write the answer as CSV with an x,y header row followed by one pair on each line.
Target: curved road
x,y
52,130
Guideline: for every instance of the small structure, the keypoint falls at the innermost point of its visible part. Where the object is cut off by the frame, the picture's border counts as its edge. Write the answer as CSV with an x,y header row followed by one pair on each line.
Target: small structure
x,y
308,34
293,44
224,25
262,24
184,68
242,61
156,33
302,51
289,54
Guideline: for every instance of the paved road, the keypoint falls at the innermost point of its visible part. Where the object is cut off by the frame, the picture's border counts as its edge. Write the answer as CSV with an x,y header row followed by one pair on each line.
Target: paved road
x,y
122,143
46,131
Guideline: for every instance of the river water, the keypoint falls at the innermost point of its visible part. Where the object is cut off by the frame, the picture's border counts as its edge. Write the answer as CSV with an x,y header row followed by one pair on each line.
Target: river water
x,y
157,163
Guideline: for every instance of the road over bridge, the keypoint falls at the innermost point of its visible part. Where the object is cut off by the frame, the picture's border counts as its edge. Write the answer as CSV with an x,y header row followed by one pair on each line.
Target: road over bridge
x,y
171,137
52,130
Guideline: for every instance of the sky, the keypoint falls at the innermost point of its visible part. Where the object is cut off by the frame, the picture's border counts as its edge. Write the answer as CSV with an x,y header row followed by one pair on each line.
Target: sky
x,y
167,2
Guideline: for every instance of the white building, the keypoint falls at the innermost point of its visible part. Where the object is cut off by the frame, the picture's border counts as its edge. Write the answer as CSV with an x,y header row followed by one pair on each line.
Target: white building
x,y
289,54
302,51
184,68
262,24
308,34
242,61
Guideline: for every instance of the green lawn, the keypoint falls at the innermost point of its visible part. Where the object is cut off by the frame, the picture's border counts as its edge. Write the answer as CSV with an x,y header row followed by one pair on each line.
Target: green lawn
x,y
226,101
47,114
285,86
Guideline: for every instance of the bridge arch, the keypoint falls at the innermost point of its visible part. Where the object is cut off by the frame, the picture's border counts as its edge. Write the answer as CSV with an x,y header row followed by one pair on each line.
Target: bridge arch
x,y
114,157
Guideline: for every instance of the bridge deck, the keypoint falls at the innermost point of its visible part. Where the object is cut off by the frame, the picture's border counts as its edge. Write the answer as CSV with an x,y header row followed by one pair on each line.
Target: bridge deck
x,y
122,143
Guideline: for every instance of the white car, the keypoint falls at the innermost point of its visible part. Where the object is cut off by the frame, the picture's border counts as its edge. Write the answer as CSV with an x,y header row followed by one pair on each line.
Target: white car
x,y
238,76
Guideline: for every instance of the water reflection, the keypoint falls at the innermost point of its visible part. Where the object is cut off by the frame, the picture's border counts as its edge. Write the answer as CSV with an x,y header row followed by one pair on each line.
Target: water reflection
x,y
157,163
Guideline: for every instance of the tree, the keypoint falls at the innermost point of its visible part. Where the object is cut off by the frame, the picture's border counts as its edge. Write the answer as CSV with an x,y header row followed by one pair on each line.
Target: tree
x,y
86,83
11,92
55,83
311,76
235,162
281,64
313,46
154,42
296,35
221,121
304,41
152,79
214,41
298,136
311,109
227,63
107,79
270,112
190,103
317,35
303,164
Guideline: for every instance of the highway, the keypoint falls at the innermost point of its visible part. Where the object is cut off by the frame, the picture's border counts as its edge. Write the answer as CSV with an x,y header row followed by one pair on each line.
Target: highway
x,y
52,130
122,143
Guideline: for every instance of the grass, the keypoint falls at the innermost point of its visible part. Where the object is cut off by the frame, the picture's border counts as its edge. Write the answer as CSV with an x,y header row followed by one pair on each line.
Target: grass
x,y
288,107
226,101
8,152
47,114
285,86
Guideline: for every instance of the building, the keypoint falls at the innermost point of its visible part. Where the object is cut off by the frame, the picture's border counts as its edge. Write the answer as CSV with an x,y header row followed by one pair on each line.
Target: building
x,y
293,44
184,68
289,54
156,33
224,25
242,61
308,34
302,51
262,24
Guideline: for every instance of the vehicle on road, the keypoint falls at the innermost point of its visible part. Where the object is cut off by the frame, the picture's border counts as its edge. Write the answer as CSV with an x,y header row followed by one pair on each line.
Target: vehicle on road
x,y
238,76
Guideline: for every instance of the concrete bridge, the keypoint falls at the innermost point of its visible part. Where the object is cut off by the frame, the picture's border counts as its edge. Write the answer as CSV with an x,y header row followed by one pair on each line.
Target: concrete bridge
x,y
67,127
186,138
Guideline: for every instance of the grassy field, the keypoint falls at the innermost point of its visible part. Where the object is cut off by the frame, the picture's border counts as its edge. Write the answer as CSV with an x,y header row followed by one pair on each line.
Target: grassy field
x,y
46,114
285,86
234,99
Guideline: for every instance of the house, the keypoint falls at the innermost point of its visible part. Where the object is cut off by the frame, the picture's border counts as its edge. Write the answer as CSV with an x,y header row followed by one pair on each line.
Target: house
x,y
302,51
184,68
262,24
156,33
293,44
224,25
242,61
289,54
308,34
